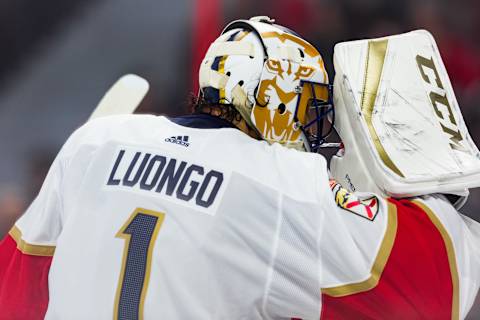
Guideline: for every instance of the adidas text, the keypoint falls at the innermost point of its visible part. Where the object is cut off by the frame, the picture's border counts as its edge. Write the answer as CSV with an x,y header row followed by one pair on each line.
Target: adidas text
x,y
181,140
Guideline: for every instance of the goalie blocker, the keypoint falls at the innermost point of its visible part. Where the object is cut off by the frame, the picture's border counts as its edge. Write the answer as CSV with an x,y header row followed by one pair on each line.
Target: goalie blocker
x,y
399,120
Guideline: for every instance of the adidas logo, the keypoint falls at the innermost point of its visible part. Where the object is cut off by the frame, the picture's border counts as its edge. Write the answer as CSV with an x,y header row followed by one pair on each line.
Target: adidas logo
x,y
181,140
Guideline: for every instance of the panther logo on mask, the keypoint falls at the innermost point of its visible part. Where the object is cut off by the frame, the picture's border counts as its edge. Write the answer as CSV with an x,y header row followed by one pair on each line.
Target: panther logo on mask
x,y
279,96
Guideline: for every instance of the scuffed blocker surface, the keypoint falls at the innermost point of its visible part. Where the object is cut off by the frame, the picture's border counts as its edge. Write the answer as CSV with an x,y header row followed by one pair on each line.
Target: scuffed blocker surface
x,y
408,113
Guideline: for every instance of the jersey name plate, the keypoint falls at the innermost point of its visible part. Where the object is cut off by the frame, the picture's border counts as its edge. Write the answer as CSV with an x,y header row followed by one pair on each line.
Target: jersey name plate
x,y
172,177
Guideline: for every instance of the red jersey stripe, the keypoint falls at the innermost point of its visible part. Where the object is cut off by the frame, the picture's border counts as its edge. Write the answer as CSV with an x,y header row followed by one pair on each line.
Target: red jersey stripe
x,y
419,279
23,282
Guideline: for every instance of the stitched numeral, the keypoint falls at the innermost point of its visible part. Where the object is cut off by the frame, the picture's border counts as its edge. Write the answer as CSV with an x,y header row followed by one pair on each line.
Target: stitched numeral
x,y
139,233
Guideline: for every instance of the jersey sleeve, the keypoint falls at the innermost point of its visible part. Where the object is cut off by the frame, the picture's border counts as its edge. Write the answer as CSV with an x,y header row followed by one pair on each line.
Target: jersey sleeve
x,y
357,234
27,250
474,228
462,239
333,244
293,288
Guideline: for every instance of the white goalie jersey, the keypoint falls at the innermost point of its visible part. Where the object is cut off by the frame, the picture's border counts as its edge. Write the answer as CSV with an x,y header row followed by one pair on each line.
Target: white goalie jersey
x,y
145,218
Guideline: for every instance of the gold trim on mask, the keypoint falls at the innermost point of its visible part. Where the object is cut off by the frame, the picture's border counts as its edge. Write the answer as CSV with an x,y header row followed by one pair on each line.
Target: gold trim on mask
x,y
378,265
309,90
324,70
285,97
28,248
373,72
303,72
309,49
275,67
452,260
242,35
221,69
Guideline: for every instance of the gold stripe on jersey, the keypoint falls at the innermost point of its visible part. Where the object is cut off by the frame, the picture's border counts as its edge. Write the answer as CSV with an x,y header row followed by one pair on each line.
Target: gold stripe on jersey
x,y
28,248
373,72
379,264
452,260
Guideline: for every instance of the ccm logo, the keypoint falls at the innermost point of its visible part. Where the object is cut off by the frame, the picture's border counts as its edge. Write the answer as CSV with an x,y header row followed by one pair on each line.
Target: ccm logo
x,y
439,100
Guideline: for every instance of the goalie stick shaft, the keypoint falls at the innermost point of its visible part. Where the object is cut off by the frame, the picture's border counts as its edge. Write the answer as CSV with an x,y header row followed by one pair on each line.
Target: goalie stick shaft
x,y
123,97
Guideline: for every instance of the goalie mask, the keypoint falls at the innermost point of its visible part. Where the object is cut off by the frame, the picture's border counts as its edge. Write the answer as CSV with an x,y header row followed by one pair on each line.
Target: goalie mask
x,y
274,78
399,120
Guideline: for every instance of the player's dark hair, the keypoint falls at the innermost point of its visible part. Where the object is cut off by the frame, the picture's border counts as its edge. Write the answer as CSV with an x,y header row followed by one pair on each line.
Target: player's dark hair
x,y
198,105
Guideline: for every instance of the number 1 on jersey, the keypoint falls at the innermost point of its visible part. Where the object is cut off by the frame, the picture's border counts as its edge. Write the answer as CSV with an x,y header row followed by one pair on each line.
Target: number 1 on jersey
x,y
139,233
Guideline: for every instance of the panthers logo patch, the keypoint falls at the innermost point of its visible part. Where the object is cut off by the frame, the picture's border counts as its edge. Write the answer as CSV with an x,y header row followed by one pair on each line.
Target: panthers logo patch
x,y
364,207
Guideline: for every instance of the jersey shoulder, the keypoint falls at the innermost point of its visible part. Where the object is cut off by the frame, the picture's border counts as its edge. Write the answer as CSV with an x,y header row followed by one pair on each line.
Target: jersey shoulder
x,y
301,175
98,131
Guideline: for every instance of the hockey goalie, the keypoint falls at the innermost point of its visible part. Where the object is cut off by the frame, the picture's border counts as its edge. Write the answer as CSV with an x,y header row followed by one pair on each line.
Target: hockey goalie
x,y
231,213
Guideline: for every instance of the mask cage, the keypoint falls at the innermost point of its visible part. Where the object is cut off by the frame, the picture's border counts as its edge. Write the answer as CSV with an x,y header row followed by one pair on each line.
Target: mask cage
x,y
317,111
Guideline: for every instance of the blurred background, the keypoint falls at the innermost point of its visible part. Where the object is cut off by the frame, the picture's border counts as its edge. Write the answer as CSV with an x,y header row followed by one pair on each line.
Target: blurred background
x,y
59,58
